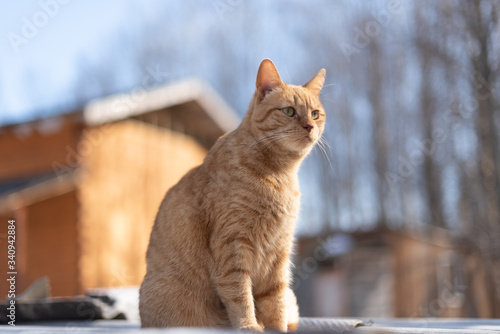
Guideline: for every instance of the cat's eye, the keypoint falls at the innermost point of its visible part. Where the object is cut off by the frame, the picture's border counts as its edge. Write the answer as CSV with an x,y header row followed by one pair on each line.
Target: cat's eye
x,y
289,111
315,114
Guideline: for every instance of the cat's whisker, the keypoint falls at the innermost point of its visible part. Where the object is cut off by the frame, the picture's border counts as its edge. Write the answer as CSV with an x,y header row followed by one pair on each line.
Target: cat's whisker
x,y
276,140
325,142
327,99
269,134
321,145
270,138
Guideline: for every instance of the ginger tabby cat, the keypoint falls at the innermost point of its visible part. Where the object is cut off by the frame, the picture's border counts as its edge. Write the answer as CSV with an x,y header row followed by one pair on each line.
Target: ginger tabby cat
x,y
219,252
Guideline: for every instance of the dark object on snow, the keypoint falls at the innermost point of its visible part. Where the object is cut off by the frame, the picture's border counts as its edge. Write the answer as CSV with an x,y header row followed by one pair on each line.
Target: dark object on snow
x,y
77,308
35,304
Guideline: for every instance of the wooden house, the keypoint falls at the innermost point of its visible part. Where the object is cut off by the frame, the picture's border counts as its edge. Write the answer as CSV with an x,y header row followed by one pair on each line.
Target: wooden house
x,y
388,273
84,187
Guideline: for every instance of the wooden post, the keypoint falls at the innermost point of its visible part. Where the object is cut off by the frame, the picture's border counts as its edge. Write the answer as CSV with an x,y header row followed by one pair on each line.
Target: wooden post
x,y
20,215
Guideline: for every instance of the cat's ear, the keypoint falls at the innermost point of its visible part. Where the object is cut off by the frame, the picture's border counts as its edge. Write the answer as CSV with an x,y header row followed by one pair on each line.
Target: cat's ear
x,y
268,78
317,82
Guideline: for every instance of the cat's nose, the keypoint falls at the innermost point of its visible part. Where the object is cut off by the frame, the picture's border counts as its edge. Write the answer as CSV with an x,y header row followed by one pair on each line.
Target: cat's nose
x,y
308,127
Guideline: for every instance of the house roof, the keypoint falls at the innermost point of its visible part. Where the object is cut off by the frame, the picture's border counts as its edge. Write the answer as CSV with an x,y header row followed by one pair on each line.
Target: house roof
x,y
337,243
31,190
189,106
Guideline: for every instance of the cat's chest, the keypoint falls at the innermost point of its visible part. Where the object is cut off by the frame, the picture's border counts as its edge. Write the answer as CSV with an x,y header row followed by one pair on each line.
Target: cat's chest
x,y
273,199
279,196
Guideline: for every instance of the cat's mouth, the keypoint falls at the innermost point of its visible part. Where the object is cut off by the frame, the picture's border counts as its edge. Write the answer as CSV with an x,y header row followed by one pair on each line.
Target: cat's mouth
x,y
307,139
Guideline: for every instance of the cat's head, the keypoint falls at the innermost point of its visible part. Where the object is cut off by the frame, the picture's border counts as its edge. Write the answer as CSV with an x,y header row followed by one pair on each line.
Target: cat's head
x,y
286,117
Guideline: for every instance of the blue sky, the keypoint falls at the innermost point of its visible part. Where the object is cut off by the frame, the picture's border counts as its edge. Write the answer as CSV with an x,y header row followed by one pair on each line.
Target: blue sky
x,y
37,76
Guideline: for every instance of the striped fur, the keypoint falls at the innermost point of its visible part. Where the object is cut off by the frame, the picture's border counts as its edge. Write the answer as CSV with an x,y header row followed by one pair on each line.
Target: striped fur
x,y
219,252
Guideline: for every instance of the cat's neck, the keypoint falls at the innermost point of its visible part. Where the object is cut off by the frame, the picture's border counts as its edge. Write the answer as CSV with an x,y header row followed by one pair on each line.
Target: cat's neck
x,y
268,159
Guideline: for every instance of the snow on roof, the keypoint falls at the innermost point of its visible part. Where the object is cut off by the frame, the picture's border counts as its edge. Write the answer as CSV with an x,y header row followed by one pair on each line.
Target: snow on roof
x,y
122,106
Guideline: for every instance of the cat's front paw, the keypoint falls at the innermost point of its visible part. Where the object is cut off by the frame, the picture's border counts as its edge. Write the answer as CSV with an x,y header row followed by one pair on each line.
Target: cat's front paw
x,y
292,327
279,327
252,328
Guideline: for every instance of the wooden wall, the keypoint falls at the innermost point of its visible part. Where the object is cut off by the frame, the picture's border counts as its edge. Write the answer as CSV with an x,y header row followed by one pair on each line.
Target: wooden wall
x,y
127,171
52,244
46,245
414,271
4,218
31,148
430,277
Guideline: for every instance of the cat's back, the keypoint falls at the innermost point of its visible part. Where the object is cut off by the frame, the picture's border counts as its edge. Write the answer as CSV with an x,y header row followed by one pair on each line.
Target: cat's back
x,y
185,209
